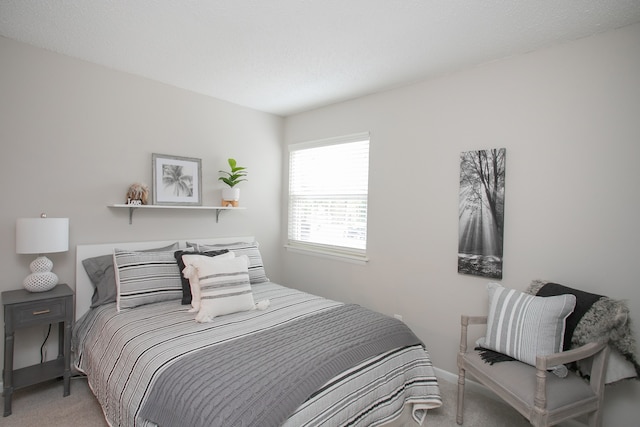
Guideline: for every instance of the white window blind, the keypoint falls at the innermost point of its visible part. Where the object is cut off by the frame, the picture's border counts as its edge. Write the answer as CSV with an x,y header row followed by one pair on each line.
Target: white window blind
x,y
328,189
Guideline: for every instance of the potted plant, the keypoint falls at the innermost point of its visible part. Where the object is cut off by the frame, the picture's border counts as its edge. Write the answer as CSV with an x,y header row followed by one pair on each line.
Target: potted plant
x,y
231,195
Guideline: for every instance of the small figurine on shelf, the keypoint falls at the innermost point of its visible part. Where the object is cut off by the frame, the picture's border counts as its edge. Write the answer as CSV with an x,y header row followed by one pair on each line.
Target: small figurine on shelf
x,y
138,194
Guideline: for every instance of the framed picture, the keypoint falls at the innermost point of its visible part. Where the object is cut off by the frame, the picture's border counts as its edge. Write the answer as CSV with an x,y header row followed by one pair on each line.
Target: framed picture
x,y
176,180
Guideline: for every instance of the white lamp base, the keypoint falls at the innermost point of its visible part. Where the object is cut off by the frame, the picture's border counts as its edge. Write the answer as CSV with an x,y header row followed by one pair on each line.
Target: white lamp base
x,y
41,278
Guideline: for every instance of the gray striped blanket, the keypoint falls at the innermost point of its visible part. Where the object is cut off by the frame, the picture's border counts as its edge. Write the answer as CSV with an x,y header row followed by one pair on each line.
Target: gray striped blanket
x,y
266,376
125,353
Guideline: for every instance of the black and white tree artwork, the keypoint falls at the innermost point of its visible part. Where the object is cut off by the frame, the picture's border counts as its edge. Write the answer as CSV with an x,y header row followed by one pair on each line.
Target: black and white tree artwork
x,y
481,213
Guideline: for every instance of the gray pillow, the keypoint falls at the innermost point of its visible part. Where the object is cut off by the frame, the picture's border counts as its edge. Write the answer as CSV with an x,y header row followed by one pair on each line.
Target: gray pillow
x,y
101,273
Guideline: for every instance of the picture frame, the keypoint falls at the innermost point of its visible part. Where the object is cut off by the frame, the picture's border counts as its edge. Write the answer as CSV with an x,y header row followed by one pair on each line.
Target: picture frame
x,y
176,180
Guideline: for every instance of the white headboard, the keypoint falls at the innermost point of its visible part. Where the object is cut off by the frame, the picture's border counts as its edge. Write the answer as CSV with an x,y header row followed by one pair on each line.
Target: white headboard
x,y
84,287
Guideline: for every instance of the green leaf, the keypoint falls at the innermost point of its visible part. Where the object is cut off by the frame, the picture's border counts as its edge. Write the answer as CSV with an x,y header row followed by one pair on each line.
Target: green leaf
x,y
236,175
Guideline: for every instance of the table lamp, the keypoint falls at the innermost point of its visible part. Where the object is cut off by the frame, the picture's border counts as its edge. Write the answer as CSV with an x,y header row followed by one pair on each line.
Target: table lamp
x,y
41,236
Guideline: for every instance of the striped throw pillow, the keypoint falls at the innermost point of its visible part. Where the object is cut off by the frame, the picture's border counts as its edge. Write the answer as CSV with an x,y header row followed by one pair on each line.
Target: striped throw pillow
x,y
224,286
524,326
257,272
191,274
145,278
186,285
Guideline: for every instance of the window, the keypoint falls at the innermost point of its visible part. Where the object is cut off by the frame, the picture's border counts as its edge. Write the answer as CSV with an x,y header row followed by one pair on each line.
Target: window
x,y
328,189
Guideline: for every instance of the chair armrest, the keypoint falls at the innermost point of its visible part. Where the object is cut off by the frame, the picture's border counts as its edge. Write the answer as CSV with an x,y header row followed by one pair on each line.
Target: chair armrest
x,y
600,351
587,350
473,320
464,322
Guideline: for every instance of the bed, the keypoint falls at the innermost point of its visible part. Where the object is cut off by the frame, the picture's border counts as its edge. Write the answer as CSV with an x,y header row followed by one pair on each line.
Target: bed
x,y
290,360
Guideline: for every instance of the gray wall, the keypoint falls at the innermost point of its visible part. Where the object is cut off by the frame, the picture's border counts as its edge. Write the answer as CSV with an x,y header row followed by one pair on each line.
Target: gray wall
x,y
74,137
569,117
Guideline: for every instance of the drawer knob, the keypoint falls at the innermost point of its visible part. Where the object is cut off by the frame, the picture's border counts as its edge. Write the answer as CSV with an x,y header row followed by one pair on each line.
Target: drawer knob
x,y
35,313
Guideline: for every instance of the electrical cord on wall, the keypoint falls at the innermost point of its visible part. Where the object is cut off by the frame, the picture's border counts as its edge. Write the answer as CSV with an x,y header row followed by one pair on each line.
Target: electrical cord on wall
x,y
43,343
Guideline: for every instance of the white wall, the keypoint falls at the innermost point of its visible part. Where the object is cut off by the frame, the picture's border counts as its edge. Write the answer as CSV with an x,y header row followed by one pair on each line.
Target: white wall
x,y
569,117
74,137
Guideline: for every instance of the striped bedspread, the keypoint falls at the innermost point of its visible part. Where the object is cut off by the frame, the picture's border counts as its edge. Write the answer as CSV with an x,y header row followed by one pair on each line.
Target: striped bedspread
x,y
124,354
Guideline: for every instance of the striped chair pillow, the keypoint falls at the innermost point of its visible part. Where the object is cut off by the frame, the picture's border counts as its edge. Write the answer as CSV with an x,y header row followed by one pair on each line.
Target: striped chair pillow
x,y
524,326
145,277
224,286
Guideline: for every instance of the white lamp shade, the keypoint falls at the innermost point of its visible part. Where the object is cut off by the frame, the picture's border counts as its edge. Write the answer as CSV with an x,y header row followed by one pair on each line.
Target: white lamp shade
x,y
42,235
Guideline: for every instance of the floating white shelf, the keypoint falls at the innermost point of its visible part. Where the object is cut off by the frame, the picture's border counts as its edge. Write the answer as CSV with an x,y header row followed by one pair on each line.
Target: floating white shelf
x,y
131,208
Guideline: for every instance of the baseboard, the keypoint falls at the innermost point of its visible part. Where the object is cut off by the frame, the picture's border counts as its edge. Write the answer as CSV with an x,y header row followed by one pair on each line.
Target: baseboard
x,y
479,388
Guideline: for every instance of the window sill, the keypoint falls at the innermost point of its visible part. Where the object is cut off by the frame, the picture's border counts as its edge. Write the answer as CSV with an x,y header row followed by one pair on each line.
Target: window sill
x,y
355,259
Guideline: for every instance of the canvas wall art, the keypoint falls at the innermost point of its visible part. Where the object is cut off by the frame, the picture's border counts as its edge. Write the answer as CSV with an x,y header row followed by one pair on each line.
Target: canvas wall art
x,y
481,213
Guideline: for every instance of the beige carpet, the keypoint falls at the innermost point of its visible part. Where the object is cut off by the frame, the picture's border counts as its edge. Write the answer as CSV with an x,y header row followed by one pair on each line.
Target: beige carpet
x,y
43,405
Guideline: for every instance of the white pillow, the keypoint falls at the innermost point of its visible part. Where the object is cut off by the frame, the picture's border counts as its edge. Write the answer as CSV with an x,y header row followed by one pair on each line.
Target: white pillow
x,y
224,286
524,326
190,272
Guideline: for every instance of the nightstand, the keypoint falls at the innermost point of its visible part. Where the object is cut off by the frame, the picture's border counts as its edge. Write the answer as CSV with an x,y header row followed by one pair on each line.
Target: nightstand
x,y
23,309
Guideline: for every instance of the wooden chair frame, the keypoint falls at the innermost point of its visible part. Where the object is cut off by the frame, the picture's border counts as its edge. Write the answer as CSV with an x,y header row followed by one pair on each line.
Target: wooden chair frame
x,y
536,412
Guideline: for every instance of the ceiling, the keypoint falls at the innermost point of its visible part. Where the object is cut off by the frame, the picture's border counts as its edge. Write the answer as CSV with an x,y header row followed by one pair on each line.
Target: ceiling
x,y
288,56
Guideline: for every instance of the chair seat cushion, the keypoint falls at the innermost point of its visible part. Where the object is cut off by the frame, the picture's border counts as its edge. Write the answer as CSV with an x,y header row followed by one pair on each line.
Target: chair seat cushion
x,y
519,380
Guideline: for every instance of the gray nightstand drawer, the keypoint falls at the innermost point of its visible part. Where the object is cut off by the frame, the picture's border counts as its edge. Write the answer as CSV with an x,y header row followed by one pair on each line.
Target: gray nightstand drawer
x,y
49,311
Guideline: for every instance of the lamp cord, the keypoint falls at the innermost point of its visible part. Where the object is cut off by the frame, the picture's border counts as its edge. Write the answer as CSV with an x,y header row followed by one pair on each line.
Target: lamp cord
x,y
43,343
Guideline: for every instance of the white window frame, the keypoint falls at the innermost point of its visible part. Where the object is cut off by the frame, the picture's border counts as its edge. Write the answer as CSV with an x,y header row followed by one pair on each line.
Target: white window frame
x,y
357,255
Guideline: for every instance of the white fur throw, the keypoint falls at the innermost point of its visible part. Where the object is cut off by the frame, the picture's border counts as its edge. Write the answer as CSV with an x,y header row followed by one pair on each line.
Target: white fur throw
x,y
605,320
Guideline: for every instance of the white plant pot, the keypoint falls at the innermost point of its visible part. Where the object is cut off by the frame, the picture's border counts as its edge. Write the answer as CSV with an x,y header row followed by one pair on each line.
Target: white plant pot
x,y
231,193
230,196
